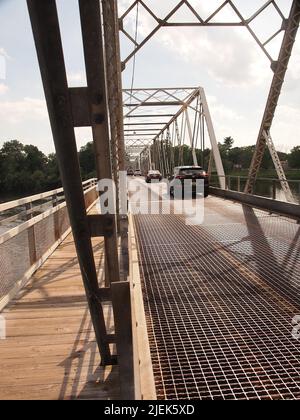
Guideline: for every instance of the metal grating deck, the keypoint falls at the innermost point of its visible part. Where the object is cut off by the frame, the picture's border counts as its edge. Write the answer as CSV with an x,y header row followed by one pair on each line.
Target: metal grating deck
x,y
219,301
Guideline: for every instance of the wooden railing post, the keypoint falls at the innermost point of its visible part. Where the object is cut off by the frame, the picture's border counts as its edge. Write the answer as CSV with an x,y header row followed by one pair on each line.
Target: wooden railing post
x,y
121,300
274,189
31,235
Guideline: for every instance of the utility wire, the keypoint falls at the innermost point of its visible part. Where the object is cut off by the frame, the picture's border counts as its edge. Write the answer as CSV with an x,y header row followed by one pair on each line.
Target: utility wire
x,y
134,56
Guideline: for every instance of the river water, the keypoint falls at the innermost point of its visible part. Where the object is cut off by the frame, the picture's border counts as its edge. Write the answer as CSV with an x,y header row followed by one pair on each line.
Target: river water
x,y
265,189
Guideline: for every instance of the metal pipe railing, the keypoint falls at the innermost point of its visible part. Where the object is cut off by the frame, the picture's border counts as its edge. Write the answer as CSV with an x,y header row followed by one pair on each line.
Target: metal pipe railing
x,y
236,183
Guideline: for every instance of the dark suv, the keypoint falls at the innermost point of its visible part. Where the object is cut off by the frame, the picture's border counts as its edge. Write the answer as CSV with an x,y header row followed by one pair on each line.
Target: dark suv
x,y
130,172
182,173
153,175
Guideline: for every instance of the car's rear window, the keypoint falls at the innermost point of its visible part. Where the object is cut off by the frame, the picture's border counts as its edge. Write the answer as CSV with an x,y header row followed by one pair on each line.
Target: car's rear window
x,y
154,172
190,171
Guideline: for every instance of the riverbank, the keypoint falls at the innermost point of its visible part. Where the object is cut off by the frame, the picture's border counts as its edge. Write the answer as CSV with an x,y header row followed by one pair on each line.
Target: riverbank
x,y
267,173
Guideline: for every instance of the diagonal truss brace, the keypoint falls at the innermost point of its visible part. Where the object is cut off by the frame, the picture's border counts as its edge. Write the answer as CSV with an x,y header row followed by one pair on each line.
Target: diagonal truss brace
x,y
279,68
211,20
279,169
158,143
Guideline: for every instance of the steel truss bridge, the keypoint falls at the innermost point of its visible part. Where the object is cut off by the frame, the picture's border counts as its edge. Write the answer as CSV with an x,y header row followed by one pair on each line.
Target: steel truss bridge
x,y
146,306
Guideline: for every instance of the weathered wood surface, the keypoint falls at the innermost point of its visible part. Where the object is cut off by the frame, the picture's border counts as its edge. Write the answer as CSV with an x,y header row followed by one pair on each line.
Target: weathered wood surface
x,y
50,351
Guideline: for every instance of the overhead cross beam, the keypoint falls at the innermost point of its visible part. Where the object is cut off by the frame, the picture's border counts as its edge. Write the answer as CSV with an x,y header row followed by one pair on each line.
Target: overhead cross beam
x,y
198,20
140,127
191,126
288,26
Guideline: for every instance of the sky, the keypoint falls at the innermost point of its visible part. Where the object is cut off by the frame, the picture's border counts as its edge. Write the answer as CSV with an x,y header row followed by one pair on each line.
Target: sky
x,y
227,62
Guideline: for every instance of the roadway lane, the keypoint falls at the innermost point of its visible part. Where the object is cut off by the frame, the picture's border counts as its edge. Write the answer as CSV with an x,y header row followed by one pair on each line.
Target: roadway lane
x,y
219,297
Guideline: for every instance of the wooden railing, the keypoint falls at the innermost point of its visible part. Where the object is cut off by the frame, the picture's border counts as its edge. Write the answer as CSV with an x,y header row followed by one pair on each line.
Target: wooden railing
x,y
32,228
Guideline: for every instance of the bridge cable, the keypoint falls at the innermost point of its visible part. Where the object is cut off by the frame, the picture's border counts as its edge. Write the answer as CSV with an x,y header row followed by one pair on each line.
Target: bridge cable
x,y
134,58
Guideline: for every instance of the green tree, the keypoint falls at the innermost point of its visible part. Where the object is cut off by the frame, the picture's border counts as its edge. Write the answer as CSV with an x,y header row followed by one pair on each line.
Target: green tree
x,y
87,161
294,158
52,172
22,168
35,160
12,158
228,142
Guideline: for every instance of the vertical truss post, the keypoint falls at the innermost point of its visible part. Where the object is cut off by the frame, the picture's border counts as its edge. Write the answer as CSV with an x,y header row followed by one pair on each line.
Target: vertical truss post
x,y
113,72
279,169
213,140
163,155
159,156
149,158
153,147
210,164
190,133
279,67
45,26
171,148
180,146
91,27
168,151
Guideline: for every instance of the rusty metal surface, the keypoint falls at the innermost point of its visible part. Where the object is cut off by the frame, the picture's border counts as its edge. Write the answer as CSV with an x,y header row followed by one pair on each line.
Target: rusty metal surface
x,y
219,301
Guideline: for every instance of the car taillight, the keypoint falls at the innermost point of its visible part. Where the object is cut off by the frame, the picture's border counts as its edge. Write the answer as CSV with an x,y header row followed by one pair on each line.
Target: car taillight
x,y
179,177
204,173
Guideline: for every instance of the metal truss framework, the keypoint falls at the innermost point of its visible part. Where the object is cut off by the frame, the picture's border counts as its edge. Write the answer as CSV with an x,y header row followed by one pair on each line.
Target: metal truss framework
x,y
288,27
147,111
99,106
279,67
161,146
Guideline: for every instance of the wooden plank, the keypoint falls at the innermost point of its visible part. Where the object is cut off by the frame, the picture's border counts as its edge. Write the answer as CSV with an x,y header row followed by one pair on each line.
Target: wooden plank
x,y
105,388
145,385
50,351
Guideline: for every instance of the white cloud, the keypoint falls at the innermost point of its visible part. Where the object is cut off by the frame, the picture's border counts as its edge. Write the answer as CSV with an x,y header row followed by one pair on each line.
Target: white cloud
x,y
3,88
285,129
27,109
123,5
229,122
222,112
83,135
3,57
227,57
294,65
2,67
4,53
77,79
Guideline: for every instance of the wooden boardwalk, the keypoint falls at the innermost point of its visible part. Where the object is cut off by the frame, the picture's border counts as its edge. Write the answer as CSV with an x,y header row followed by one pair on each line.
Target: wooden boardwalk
x,y
50,351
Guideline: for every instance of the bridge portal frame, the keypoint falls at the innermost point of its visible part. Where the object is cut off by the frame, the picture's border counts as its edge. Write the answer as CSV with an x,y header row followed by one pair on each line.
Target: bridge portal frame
x,y
289,27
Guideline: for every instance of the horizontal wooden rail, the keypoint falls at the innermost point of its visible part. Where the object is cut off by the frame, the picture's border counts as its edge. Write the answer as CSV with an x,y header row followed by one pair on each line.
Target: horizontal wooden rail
x,y
21,201
24,248
143,370
274,206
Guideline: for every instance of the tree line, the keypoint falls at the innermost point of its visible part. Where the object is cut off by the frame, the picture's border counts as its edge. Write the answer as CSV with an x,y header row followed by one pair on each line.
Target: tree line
x,y
25,170
233,158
